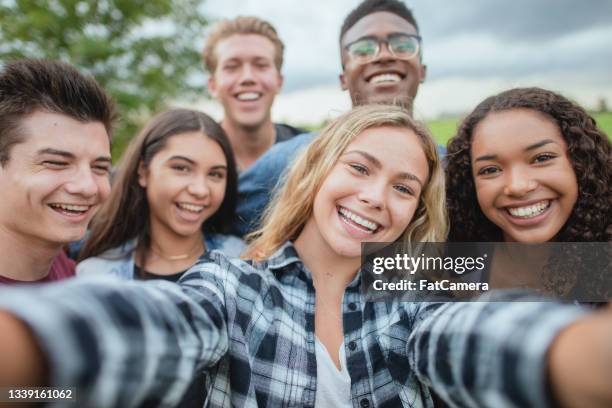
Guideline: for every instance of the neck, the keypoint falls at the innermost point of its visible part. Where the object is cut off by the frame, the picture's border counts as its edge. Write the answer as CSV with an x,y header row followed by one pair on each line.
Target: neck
x,y
168,244
248,144
331,272
24,260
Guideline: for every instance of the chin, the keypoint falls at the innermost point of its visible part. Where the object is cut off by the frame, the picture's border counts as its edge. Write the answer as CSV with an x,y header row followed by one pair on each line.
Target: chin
x,y
349,250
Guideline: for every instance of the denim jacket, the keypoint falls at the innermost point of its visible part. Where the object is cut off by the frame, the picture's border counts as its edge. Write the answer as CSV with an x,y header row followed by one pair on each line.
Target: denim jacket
x,y
119,261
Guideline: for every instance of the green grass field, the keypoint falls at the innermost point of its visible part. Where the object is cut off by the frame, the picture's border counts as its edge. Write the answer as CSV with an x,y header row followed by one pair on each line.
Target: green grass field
x,y
444,129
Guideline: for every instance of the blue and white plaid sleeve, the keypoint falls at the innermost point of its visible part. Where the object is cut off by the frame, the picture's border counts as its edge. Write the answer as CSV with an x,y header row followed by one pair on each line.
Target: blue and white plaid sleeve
x,y
126,343
489,354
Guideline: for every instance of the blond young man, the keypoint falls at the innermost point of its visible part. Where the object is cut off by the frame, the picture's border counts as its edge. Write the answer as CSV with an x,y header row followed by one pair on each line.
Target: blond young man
x,y
244,57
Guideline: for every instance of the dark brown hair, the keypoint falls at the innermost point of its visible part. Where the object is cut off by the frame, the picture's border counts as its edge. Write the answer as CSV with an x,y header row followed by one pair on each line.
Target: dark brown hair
x,y
125,215
29,85
589,151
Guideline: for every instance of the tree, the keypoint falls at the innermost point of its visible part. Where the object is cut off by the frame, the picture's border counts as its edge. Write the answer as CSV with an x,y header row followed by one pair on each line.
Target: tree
x,y
143,52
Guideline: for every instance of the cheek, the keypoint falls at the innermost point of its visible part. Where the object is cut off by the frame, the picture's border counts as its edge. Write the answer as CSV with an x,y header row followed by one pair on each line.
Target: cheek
x,y
218,190
485,194
271,81
104,188
402,215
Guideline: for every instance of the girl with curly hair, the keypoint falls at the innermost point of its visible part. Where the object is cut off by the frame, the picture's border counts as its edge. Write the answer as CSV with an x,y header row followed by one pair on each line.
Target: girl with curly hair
x,y
529,165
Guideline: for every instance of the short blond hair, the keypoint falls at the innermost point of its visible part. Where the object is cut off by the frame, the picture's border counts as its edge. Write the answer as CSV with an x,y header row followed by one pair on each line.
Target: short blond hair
x,y
240,25
292,205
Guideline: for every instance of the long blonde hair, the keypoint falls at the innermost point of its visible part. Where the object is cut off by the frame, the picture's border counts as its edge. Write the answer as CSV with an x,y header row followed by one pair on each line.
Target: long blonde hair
x,y
292,205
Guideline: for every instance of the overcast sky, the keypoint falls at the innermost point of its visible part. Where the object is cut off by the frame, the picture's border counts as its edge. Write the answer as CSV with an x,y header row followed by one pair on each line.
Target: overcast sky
x,y
472,48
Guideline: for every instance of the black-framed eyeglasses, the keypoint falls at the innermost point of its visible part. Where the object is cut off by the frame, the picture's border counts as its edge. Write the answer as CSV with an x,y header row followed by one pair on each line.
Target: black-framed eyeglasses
x,y
400,45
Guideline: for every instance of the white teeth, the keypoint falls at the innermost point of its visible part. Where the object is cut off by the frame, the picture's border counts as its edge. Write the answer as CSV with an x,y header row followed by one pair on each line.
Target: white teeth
x,y
385,78
529,211
372,226
248,96
71,207
191,207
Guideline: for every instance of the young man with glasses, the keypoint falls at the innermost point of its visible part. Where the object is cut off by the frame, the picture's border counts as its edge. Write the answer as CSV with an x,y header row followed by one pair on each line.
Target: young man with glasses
x,y
381,63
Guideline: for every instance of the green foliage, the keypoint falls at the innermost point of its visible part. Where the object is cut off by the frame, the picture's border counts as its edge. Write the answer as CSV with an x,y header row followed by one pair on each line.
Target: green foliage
x,y
142,52
604,122
443,129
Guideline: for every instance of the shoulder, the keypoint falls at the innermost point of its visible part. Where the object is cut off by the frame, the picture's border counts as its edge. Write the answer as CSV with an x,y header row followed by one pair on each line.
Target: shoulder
x,y
230,245
117,261
286,132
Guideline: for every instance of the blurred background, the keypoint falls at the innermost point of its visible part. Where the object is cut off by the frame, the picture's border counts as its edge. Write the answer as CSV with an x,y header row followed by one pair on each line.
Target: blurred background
x,y
146,53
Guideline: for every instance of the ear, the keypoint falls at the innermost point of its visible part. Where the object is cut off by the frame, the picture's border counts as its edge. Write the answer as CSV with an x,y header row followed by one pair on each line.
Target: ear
x,y
212,85
422,73
343,83
142,175
281,81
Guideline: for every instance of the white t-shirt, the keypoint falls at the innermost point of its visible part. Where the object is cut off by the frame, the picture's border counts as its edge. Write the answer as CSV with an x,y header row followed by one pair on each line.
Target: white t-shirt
x,y
333,386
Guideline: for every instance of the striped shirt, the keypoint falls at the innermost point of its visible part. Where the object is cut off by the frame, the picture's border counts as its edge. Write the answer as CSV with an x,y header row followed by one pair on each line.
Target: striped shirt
x,y
251,329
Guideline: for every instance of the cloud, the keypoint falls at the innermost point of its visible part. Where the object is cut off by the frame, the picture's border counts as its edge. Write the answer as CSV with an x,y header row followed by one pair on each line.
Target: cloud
x,y
478,46
518,20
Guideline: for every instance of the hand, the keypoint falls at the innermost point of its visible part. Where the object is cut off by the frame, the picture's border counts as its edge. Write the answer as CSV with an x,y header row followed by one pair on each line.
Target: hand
x,y
23,361
580,362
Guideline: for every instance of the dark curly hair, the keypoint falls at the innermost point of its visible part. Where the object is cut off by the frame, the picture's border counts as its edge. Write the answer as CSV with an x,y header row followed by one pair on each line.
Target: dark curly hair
x,y
589,150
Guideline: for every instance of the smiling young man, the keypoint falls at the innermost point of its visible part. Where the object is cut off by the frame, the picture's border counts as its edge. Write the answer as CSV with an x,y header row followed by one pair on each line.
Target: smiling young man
x,y
381,56
244,57
55,127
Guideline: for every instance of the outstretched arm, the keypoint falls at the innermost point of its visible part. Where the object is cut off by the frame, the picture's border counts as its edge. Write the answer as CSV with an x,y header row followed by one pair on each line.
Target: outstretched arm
x,y
118,343
580,362
493,354
23,361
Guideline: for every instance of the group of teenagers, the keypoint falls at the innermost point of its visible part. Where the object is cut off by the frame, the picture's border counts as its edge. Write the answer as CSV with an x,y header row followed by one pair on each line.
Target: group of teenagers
x,y
249,238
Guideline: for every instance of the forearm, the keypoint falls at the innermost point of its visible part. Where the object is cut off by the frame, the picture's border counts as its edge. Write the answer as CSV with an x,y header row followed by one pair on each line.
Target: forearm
x,y
488,353
580,363
23,361
121,342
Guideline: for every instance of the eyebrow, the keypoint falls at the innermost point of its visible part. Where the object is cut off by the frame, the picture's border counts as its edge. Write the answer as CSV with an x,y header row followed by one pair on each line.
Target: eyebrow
x,y
528,148
376,163
69,155
190,161
539,144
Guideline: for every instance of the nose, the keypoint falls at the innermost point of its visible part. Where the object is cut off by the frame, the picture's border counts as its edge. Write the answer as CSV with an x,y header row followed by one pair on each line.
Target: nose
x,y
247,75
83,182
198,187
384,53
519,183
373,195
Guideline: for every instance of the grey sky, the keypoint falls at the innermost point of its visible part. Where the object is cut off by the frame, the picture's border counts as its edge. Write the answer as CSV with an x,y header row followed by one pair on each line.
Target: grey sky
x,y
561,44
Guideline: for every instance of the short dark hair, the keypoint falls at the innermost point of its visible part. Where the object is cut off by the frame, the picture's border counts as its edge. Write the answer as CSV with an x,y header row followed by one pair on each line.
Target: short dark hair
x,y
29,85
368,7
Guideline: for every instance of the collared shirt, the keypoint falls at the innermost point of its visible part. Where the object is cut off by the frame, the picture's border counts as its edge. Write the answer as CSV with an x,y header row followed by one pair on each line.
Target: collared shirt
x,y
251,328
256,184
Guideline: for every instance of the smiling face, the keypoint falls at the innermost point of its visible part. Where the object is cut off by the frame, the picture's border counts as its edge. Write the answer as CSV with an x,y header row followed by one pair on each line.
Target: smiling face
x,y
371,193
524,180
246,80
386,79
55,179
185,184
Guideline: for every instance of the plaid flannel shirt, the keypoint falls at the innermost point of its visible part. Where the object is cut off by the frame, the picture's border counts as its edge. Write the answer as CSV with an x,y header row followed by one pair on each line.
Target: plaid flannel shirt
x,y
251,328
